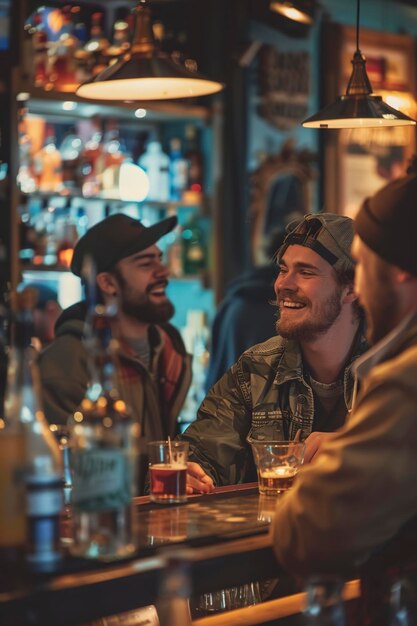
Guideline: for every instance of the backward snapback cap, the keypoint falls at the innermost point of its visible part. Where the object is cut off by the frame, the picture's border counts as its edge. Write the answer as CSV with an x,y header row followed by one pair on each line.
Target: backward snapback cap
x,y
116,238
387,223
328,234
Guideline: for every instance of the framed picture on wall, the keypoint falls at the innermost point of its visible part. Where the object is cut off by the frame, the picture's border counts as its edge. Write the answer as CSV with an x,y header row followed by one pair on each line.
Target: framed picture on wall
x,y
357,162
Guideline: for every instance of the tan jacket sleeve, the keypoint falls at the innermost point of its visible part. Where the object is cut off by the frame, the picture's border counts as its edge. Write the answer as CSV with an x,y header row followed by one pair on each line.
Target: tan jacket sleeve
x,y
361,488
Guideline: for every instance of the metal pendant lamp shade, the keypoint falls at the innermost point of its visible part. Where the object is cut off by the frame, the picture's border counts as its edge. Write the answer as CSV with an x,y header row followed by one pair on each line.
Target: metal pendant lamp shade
x,y
359,107
146,73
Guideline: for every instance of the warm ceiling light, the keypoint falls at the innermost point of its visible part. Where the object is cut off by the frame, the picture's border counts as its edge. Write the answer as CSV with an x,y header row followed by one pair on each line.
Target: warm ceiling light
x,y
359,107
146,73
291,10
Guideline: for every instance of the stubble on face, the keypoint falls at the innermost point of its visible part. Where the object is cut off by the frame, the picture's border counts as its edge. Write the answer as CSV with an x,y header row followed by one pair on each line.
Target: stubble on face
x,y
317,324
374,286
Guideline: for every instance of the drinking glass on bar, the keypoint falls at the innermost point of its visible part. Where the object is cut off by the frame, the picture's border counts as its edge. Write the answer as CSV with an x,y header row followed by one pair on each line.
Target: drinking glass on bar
x,y
168,471
277,463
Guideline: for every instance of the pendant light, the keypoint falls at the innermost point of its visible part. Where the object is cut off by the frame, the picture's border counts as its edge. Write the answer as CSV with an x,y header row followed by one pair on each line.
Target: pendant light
x,y
295,11
359,107
145,72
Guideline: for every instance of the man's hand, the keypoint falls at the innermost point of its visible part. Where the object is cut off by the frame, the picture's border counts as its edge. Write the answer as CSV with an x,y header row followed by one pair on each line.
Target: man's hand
x,y
313,444
197,480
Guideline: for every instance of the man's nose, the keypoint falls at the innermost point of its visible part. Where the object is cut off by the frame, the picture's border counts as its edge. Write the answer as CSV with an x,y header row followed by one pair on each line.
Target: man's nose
x,y
285,281
162,269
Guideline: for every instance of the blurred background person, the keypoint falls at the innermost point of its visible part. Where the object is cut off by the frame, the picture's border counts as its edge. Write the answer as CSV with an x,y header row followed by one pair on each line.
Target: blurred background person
x,y
46,312
248,313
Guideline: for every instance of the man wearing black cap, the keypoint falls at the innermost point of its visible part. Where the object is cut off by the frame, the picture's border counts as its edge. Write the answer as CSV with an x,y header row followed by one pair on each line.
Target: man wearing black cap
x,y
361,489
154,365
297,381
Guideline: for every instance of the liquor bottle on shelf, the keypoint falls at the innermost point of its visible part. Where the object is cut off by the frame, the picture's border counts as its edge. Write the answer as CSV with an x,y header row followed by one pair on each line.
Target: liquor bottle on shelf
x,y
48,164
104,454
195,248
195,162
121,37
40,53
97,45
63,67
66,234
90,161
25,177
156,164
70,149
178,170
36,451
113,154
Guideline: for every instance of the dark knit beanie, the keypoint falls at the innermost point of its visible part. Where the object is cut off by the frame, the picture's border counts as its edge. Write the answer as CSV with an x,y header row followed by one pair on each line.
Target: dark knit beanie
x,y
387,223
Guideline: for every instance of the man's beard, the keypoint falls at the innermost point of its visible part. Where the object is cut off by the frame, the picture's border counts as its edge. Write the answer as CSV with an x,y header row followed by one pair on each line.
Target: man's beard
x,y
141,307
310,329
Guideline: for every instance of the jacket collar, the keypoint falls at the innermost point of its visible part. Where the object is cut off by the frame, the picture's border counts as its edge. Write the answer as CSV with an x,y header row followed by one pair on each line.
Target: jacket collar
x,y
290,365
388,346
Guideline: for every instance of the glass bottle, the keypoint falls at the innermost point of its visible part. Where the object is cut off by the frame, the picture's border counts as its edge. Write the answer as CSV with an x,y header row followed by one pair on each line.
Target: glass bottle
x,y
63,66
156,165
90,161
104,451
96,46
42,467
403,602
178,170
48,164
194,249
40,52
194,157
12,459
324,603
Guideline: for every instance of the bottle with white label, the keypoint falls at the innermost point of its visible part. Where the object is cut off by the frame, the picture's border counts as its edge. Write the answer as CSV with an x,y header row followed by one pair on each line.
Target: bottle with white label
x,y
103,453
42,471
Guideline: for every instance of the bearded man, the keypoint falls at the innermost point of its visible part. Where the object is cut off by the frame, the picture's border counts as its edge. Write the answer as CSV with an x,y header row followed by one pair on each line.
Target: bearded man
x,y
299,380
155,371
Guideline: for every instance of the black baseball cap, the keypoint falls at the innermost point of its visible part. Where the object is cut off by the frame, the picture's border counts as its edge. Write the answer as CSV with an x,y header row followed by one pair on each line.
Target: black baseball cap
x,y
115,238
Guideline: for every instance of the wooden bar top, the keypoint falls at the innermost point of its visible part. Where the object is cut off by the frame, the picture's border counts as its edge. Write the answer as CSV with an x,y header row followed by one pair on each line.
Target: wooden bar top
x,y
217,534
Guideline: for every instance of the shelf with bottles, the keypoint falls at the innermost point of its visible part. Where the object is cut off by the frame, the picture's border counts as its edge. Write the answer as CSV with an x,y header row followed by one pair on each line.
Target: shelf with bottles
x,y
68,44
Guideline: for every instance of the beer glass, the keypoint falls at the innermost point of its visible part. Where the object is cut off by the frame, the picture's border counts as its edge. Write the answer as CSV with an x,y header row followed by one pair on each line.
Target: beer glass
x,y
277,463
168,471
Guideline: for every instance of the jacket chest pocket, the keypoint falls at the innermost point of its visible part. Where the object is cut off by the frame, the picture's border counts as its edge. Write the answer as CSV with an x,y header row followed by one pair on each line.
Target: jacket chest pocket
x,y
267,425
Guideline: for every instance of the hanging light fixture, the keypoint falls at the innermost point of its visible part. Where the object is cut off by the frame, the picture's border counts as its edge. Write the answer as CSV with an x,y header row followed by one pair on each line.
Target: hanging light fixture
x,y
145,72
295,11
359,107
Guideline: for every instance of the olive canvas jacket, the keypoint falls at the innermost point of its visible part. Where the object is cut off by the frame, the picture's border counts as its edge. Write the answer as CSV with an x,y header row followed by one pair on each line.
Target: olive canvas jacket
x,y
263,395
361,489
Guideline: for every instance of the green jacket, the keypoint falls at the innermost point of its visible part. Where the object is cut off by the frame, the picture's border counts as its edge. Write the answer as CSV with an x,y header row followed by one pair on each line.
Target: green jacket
x,y
264,394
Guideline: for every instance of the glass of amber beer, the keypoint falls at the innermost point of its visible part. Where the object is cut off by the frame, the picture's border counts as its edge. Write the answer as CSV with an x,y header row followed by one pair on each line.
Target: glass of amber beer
x,y
277,463
168,471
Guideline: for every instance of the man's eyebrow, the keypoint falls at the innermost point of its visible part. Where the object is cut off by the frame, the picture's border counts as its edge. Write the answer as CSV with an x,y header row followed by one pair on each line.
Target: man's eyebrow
x,y
302,265
139,256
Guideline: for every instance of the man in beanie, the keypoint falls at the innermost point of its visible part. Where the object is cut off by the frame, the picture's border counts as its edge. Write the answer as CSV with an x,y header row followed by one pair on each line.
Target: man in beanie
x,y
361,489
154,367
299,380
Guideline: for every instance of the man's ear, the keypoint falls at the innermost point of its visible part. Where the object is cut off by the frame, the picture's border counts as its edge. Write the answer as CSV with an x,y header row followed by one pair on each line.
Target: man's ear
x,y
402,276
107,283
350,295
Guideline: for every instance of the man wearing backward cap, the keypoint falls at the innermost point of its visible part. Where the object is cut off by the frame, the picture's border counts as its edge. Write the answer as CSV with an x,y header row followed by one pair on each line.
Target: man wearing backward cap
x,y
360,492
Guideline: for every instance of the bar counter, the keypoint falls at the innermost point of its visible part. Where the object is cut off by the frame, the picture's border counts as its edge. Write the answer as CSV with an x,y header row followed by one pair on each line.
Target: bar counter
x,y
222,537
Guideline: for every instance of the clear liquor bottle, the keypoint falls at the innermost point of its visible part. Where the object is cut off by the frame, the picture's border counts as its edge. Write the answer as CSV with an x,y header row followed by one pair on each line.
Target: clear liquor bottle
x,y
41,472
104,451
